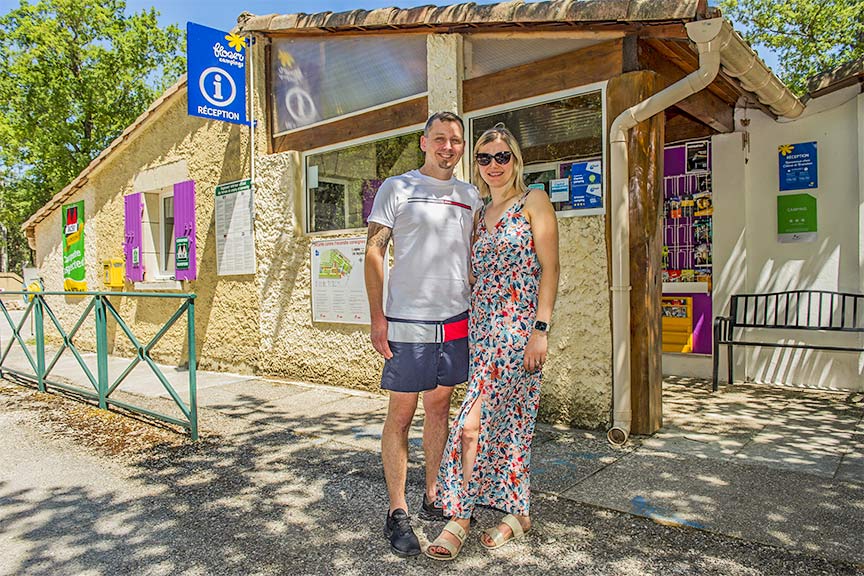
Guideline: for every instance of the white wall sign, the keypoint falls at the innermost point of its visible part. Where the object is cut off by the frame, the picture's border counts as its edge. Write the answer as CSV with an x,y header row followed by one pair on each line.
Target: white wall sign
x,y
235,241
338,284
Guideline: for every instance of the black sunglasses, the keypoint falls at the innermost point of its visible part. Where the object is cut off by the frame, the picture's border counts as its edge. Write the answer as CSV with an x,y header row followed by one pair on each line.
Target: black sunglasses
x,y
501,158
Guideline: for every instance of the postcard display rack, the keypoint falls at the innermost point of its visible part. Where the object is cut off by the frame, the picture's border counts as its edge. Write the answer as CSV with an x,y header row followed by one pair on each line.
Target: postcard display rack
x,y
687,238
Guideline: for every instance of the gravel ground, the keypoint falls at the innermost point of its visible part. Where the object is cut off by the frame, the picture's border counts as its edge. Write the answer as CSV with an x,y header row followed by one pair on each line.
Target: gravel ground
x,y
83,491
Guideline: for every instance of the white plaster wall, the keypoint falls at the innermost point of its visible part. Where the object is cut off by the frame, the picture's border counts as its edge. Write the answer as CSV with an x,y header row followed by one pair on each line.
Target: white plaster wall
x,y
747,255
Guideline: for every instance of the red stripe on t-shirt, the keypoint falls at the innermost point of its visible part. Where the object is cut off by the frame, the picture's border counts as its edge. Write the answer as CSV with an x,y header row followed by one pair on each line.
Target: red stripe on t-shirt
x,y
456,330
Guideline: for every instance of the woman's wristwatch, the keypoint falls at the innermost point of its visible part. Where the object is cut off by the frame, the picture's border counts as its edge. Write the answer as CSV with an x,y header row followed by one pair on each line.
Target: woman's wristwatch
x,y
541,326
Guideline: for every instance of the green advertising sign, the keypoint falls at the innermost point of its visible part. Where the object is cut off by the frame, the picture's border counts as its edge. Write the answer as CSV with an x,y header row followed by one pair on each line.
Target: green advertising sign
x,y
74,272
181,253
796,218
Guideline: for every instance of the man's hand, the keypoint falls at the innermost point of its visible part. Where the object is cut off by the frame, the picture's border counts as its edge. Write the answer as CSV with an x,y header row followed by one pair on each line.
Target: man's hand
x,y
376,251
378,335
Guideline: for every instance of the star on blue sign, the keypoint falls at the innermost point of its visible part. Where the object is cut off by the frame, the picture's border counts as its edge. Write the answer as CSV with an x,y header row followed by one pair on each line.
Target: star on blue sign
x,y
216,74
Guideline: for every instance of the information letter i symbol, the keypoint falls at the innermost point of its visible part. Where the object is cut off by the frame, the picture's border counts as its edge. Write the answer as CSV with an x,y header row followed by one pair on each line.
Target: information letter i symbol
x,y
217,87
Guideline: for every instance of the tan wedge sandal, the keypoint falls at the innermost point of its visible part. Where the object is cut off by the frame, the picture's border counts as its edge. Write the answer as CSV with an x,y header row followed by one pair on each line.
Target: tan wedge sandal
x,y
498,538
452,549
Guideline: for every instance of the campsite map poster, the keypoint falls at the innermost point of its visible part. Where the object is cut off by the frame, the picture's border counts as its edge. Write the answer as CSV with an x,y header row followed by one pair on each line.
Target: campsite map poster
x,y
74,272
338,284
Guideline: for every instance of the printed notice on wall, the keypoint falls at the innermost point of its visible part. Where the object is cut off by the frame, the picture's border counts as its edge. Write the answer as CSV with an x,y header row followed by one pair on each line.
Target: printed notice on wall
x,y
798,166
235,242
338,285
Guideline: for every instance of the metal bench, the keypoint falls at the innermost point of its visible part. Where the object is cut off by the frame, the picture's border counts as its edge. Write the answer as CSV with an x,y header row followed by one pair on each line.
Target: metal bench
x,y
807,310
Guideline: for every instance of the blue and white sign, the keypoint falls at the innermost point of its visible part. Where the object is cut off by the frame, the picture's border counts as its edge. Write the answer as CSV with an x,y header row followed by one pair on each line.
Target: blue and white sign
x,y
559,190
798,167
586,185
216,74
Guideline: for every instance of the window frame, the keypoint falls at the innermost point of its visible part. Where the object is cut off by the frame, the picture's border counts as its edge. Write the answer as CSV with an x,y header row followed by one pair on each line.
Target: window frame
x,y
543,99
305,204
164,272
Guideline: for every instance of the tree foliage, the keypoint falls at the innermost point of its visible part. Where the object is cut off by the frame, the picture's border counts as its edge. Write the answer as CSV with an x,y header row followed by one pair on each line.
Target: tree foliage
x,y
808,36
73,75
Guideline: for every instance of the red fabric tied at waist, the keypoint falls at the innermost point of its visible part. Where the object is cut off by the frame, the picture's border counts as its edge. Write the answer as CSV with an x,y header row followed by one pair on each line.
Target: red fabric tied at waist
x,y
456,330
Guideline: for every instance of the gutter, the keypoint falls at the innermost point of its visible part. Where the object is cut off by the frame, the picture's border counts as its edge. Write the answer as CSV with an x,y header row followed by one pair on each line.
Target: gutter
x,y
718,44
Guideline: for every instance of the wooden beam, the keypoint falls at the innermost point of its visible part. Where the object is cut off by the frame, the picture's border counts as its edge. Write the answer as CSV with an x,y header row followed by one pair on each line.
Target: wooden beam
x,y
705,106
570,70
645,179
680,127
397,116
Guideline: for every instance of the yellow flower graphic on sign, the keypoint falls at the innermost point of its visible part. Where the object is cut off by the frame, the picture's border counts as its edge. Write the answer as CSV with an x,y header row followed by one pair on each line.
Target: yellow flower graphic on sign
x,y
785,149
236,42
286,59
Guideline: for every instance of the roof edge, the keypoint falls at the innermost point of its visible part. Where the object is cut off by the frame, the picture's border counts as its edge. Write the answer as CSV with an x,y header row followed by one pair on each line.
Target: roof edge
x,y
513,12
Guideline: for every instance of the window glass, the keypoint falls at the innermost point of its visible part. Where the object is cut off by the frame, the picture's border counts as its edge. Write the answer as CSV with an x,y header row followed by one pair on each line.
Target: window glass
x,y
317,79
166,251
488,55
562,139
341,184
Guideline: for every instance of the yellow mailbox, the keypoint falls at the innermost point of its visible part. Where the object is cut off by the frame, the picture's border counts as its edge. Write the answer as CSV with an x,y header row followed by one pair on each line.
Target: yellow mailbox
x,y
113,273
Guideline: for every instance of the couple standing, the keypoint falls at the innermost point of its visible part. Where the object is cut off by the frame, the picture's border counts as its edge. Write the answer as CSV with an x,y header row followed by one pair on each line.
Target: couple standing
x,y
445,240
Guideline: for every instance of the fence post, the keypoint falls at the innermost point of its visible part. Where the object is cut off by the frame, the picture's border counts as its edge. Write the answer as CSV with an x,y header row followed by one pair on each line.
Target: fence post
x,y
193,399
101,350
38,318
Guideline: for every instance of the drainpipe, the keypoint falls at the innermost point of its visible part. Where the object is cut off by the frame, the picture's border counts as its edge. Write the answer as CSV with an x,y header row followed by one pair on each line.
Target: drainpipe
x,y
706,35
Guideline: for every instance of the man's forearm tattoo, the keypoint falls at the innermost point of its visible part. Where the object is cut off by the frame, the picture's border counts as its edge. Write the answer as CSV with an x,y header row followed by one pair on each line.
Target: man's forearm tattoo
x,y
378,235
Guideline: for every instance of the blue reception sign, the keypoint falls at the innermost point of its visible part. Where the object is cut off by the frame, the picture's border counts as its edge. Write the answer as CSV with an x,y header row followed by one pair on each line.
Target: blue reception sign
x,y
798,167
586,185
216,74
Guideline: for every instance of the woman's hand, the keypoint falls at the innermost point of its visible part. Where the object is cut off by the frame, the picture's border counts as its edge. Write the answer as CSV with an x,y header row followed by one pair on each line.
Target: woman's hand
x,y
535,351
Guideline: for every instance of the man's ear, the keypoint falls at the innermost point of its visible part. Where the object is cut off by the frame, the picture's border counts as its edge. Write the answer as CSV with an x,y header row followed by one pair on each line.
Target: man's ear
x,y
423,142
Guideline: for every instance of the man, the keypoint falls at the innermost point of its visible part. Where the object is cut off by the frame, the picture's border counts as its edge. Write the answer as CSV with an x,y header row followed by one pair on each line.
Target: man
x,y
424,337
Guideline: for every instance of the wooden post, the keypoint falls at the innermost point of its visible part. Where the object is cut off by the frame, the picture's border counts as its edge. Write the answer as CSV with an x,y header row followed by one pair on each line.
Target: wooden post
x,y
645,177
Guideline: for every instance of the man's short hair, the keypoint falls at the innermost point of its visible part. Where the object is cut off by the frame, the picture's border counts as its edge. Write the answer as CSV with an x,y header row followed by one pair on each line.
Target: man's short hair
x,y
443,117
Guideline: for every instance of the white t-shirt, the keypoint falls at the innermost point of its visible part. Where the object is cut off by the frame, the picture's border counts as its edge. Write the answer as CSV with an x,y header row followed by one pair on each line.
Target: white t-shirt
x,y
432,222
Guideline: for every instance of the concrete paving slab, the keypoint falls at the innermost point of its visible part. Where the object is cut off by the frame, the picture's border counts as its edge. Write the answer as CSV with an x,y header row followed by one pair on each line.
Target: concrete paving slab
x,y
252,391
703,442
562,459
805,448
776,507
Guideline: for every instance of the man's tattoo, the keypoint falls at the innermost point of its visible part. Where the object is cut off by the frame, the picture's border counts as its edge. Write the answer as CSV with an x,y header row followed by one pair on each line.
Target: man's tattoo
x,y
378,235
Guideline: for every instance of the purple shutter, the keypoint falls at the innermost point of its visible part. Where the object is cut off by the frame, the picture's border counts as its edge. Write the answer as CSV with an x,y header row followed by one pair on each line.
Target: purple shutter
x,y
132,245
184,226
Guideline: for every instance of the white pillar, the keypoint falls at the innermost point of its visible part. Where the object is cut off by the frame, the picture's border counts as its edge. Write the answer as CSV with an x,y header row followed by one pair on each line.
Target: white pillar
x,y
444,71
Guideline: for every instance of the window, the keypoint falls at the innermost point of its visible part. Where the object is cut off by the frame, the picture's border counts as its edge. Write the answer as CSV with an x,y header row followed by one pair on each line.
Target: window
x,y
315,79
341,184
157,222
166,237
562,145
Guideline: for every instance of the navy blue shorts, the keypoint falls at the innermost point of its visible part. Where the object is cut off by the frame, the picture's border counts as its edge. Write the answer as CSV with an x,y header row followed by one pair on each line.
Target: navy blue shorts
x,y
426,354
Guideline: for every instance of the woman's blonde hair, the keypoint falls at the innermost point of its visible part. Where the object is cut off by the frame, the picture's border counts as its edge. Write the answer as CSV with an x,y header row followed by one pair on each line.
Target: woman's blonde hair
x,y
500,132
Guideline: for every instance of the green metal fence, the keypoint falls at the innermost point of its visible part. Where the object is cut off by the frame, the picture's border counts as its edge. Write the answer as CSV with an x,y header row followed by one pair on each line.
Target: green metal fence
x,y
103,387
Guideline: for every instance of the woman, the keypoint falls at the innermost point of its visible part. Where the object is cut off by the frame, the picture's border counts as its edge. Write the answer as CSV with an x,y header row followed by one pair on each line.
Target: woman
x,y
515,265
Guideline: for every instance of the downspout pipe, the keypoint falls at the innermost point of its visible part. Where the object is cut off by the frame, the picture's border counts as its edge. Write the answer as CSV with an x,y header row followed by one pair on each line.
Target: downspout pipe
x,y
709,36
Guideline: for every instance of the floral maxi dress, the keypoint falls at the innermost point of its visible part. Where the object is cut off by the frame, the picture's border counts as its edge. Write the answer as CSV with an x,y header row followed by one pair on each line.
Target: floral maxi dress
x,y
503,309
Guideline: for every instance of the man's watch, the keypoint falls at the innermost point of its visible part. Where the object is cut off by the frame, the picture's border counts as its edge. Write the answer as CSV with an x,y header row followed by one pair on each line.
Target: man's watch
x,y
541,326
